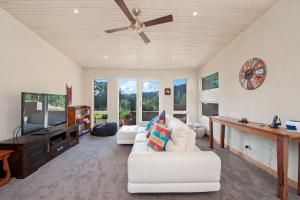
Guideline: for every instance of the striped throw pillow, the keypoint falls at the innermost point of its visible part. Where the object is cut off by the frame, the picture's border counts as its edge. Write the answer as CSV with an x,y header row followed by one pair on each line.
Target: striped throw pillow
x,y
159,137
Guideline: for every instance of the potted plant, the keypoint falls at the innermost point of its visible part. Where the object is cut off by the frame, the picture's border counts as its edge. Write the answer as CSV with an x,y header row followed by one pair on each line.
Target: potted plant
x,y
125,117
100,118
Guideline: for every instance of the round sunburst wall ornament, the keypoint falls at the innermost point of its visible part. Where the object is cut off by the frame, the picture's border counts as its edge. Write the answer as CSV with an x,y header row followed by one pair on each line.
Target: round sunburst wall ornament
x,y
253,73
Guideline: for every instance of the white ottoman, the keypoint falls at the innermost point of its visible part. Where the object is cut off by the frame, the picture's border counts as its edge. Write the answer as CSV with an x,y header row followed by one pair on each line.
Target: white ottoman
x,y
198,128
200,132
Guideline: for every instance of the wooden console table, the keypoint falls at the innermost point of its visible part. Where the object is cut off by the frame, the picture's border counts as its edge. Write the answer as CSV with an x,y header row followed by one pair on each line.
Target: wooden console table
x,y
280,135
4,154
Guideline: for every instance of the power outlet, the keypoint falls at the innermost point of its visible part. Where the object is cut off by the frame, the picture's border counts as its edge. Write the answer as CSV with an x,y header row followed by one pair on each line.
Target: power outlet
x,y
248,147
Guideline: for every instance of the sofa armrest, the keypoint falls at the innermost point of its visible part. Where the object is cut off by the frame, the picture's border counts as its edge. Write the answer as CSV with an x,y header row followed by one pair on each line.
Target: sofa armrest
x,y
174,167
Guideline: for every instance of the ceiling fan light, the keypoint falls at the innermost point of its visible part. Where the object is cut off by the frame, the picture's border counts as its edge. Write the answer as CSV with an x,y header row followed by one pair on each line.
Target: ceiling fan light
x,y
136,12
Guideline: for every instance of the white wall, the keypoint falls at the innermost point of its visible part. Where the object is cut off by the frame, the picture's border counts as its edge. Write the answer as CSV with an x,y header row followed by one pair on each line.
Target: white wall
x,y
275,38
28,63
165,78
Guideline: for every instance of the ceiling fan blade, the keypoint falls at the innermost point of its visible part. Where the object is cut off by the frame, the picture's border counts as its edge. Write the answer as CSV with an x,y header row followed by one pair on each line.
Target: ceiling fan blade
x,y
116,30
144,37
161,20
125,9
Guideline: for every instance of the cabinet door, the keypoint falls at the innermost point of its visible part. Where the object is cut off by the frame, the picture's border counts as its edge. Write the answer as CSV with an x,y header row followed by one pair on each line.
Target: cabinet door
x,y
36,155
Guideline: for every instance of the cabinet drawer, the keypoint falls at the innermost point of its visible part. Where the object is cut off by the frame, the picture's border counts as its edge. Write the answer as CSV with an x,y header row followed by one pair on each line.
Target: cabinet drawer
x,y
58,149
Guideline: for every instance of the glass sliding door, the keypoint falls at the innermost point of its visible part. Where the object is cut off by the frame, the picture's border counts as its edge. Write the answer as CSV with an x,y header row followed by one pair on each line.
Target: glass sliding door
x,y
150,99
127,101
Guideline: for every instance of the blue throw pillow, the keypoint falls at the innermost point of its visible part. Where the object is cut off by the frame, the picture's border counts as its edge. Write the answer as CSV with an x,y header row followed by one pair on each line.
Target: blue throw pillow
x,y
150,124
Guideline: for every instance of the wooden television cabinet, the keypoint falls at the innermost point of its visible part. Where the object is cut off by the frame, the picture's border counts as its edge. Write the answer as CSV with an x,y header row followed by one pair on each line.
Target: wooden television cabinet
x,y
32,151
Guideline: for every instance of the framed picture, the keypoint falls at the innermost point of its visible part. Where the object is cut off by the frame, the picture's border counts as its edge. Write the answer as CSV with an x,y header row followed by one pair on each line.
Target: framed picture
x,y
167,91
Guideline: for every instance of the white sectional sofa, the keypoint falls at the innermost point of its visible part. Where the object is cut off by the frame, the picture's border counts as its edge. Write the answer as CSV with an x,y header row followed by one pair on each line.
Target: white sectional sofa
x,y
127,134
182,168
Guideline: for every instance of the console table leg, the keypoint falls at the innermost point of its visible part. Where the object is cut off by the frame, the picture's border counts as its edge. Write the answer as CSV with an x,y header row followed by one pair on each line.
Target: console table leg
x,y
282,166
298,169
211,135
222,136
6,169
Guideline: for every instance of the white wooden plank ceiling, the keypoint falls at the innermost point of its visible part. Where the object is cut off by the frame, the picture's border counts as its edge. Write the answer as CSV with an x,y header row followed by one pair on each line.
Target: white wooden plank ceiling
x,y
187,43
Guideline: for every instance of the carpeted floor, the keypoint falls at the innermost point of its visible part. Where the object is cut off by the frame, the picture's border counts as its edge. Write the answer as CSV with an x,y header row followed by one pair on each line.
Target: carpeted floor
x,y
96,169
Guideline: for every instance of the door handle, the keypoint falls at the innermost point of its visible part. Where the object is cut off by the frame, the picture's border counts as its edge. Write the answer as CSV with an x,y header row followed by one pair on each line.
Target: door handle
x,y
60,148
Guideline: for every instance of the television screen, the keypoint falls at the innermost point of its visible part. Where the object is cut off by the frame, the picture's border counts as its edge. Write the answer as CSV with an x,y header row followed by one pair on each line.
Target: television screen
x,y
57,113
33,112
210,109
42,111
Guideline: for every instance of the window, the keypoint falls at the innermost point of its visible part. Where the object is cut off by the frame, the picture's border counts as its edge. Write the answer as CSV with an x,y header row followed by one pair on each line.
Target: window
x,y
100,95
210,109
150,100
180,94
127,101
210,82
100,101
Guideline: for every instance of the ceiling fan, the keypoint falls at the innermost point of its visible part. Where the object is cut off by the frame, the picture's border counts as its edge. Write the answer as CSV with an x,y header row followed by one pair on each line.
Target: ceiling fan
x,y
135,24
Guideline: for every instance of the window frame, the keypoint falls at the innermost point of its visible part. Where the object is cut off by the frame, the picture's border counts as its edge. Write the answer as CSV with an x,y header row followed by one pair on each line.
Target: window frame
x,y
137,95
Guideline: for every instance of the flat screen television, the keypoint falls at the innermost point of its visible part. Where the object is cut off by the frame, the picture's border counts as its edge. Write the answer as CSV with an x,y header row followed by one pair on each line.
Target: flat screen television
x,y
42,111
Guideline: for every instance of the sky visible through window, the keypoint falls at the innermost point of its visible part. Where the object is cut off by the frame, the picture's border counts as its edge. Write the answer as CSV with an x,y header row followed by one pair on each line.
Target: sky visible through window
x,y
128,86
179,82
150,86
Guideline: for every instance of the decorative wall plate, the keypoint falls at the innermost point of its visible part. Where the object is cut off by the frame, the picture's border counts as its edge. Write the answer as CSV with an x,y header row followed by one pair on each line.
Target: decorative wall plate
x,y
253,73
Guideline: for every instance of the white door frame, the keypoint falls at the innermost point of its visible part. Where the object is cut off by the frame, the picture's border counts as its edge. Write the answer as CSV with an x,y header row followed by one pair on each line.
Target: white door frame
x,y
137,95
142,80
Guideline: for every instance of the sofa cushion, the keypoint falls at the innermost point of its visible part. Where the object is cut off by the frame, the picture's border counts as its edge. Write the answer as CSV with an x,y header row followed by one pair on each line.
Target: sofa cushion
x,y
140,137
172,147
182,136
172,167
126,134
142,130
159,137
140,147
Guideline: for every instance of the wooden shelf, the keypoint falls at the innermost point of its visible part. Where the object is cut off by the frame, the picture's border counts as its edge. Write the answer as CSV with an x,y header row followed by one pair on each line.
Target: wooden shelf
x,y
84,112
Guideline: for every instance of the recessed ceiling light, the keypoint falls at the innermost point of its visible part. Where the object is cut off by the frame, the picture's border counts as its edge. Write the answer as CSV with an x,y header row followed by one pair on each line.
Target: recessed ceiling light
x,y
195,13
105,57
173,57
75,11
